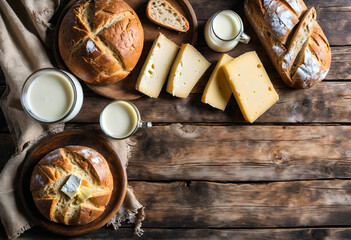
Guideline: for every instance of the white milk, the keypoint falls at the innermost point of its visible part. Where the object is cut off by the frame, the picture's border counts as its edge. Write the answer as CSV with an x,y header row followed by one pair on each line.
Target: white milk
x,y
224,30
119,119
49,95
226,25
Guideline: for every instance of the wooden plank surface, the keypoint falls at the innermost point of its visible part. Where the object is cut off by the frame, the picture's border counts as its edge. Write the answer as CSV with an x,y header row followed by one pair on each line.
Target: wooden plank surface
x,y
327,102
228,205
215,176
206,234
233,153
241,153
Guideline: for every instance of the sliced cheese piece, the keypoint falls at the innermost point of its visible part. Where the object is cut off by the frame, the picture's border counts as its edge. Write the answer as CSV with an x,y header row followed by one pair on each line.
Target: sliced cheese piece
x,y
72,194
156,67
251,85
186,71
71,186
84,194
217,92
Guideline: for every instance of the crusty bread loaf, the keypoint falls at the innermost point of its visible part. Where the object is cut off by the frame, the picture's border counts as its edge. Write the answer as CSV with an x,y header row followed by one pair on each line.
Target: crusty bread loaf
x,y
163,13
101,41
292,38
53,171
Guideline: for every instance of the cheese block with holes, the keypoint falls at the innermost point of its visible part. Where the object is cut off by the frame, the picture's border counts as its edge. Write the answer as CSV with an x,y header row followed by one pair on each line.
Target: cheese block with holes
x,y
156,67
186,71
101,41
252,88
71,185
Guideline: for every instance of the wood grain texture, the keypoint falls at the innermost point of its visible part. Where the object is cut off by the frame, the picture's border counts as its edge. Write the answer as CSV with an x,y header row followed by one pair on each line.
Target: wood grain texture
x,y
289,170
227,205
206,234
324,103
234,153
327,102
241,153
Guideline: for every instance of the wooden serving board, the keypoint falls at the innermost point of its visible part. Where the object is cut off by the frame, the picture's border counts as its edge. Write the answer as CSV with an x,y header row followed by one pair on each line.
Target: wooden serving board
x,y
125,89
81,138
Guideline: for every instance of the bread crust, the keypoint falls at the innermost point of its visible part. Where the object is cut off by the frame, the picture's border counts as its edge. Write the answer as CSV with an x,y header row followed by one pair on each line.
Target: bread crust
x,y
101,41
51,173
46,207
300,64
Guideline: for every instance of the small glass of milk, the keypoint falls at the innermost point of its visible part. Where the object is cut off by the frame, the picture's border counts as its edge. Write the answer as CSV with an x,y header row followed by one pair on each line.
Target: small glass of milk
x,y
121,119
224,30
51,95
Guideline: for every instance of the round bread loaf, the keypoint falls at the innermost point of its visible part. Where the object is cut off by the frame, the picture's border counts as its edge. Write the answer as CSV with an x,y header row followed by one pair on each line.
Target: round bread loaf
x,y
101,41
54,171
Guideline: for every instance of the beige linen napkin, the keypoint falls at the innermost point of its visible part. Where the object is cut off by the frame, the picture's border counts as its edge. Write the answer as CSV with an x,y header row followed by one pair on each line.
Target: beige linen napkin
x,y
22,34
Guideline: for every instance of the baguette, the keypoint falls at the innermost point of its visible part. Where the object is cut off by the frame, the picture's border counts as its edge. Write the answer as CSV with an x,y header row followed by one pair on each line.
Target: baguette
x,y
292,38
163,13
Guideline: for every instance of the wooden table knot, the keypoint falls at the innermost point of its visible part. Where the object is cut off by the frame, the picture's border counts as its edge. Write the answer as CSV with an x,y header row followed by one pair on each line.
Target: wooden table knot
x,y
279,157
188,131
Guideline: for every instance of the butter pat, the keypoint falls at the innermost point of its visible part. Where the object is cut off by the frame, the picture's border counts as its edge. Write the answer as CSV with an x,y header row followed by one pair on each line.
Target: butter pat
x,y
186,71
217,92
158,63
71,187
251,85
84,194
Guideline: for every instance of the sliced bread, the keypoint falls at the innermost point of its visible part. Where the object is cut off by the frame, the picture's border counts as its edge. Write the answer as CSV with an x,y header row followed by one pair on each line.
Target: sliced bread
x,y
163,13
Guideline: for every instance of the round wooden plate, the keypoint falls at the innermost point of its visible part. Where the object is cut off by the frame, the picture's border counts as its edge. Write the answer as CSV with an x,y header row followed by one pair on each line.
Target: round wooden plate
x,y
82,138
125,89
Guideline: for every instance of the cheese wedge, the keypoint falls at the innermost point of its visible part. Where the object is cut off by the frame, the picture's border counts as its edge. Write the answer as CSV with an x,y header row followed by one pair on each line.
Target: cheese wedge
x,y
156,67
186,71
252,88
217,92
71,186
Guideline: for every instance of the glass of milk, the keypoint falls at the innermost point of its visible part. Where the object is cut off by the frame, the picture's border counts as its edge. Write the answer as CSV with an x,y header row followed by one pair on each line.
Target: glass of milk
x,y
121,119
51,95
224,30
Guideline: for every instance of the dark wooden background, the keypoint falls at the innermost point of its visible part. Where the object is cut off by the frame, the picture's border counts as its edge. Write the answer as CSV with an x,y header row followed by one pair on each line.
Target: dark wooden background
x,y
206,174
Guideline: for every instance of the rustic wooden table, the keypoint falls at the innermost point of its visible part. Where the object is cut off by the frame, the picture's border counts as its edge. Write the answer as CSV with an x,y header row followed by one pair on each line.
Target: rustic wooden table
x,y
206,174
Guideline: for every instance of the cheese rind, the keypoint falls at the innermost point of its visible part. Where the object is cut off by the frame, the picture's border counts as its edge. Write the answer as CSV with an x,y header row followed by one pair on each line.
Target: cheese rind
x,y
156,67
217,92
252,88
186,71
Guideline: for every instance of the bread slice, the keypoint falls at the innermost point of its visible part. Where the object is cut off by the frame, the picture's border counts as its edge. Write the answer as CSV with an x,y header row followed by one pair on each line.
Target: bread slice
x,y
163,13
301,35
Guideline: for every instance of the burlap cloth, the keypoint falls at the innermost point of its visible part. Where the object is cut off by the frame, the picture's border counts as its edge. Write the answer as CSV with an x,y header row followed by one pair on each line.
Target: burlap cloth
x,y
23,26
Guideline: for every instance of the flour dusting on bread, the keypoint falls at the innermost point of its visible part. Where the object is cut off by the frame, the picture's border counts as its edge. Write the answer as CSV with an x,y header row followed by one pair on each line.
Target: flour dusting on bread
x,y
310,68
279,19
292,38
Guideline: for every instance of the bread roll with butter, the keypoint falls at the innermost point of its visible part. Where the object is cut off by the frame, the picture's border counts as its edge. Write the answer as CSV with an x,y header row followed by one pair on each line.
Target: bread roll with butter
x,y
101,41
72,185
292,38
